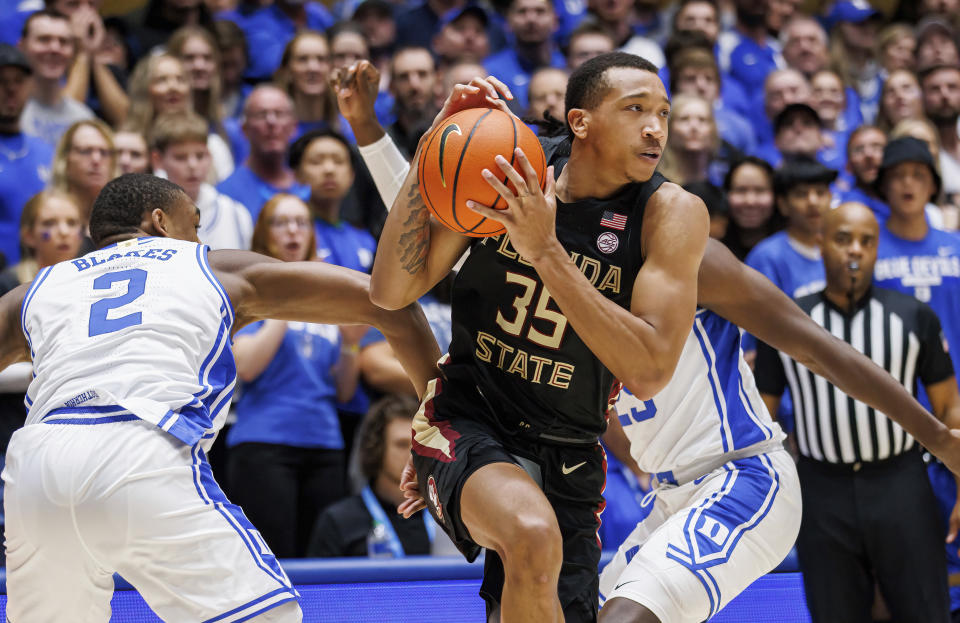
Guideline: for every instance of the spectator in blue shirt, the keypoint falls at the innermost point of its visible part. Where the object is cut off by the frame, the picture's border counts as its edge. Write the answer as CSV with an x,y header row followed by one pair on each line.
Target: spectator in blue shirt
x,y
269,124
864,155
25,161
828,98
413,80
323,160
748,53
782,87
304,73
532,24
853,54
805,48
791,258
417,24
286,461
270,29
587,40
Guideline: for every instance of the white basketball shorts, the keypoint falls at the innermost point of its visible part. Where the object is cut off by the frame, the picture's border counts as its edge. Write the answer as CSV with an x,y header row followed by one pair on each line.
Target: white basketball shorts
x,y
703,542
86,500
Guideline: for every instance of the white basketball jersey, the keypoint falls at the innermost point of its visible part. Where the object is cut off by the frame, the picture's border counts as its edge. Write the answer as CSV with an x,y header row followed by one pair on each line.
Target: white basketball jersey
x,y
709,408
137,329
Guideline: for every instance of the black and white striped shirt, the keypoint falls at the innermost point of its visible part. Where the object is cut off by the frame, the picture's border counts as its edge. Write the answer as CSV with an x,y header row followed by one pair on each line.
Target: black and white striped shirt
x,y
899,333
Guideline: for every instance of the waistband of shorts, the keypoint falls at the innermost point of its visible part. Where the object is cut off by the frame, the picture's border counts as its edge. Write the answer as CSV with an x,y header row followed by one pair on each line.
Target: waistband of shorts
x,y
689,473
862,467
88,416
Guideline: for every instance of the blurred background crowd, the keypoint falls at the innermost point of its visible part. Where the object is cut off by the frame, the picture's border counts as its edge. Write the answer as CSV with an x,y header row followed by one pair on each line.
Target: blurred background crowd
x,y
781,109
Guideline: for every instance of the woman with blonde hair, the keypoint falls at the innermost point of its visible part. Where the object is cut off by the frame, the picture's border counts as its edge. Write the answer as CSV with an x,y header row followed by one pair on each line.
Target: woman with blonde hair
x,y
898,46
900,99
51,231
304,71
159,85
84,161
692,150
285,460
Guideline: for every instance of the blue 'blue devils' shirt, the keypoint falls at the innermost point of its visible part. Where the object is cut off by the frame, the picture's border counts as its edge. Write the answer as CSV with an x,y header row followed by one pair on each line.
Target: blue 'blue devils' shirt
x,y
929,270
293,401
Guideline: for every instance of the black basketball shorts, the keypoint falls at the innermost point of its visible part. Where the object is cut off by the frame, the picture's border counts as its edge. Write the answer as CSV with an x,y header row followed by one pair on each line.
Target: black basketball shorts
x,y
451,443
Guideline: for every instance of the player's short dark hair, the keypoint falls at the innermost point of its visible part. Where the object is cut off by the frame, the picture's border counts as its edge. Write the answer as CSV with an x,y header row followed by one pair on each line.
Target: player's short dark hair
x,y
374,427
119,207
588,83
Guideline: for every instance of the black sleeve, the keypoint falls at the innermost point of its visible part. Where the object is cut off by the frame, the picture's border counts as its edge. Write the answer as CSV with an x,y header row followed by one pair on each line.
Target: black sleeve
x,y
326,541
934,364
768,370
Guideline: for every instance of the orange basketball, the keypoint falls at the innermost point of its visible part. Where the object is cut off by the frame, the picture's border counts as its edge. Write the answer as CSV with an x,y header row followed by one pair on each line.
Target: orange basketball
x,y
454,155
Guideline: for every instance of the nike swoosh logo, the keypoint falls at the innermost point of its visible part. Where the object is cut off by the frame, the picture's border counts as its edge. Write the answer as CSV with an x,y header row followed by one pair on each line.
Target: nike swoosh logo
x,y
447,131
566,470
624,584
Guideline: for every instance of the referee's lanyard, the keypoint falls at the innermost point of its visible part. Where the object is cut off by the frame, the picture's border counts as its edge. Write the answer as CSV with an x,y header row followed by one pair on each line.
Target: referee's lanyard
x,y
376,511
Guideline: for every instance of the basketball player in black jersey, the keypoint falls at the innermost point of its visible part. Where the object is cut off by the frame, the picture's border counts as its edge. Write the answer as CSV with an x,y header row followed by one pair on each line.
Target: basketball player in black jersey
x,y
579,292
725,286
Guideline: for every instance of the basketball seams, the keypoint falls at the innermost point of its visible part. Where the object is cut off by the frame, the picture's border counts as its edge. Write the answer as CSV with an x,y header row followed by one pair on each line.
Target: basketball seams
x,y
513,156
456,176
421,165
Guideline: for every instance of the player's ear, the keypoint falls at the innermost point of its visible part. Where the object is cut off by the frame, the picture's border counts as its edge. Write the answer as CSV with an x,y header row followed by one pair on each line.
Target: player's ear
x,y
159,223
578,119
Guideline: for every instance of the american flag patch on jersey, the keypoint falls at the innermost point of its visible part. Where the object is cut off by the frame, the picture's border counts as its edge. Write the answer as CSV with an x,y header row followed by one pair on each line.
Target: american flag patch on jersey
x,y
613,220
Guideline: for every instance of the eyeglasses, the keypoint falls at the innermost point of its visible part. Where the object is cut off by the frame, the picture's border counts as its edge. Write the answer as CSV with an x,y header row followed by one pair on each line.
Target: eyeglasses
x,y
285,223
86,152
263,115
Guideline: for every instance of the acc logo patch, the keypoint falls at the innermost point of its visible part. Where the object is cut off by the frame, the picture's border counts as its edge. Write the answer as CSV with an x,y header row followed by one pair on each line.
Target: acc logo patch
x,y
608,242
434,496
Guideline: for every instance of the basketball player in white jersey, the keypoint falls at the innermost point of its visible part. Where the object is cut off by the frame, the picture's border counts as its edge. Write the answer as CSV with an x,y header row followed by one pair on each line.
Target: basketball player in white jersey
x,y
133,373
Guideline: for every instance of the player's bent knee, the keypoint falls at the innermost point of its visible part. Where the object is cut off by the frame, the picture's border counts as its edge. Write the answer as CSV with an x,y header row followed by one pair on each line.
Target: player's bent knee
x,y
284,613
623,610
533,543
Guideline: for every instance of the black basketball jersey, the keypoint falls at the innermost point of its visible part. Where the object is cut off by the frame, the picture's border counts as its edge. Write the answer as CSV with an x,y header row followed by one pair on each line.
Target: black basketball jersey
x,y
510,341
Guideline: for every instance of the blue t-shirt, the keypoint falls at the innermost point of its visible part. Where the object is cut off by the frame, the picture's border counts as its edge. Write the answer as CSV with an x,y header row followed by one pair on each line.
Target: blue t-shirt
x,y
345,245
268,31
244,186
929,270
25,163
748,62
516,72
782,262
293,401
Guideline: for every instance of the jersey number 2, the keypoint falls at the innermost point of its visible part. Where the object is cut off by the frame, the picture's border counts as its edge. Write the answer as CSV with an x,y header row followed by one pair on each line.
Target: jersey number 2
x,y
136,279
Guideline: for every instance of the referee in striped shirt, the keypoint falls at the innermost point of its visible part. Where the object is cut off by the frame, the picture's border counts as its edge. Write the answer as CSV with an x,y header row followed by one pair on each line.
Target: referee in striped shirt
x,y
869,514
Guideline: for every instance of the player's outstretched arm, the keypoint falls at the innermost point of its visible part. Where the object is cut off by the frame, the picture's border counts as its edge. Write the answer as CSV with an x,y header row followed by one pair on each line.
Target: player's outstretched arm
x,y
260,287
415,251
13,343
748,299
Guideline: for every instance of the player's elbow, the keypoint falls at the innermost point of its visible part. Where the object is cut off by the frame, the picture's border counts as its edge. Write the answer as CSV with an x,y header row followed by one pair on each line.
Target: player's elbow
x,y
386,297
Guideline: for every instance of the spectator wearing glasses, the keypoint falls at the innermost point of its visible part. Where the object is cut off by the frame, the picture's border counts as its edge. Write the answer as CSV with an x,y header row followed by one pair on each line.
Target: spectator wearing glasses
x,y
84,161
286,461
268,124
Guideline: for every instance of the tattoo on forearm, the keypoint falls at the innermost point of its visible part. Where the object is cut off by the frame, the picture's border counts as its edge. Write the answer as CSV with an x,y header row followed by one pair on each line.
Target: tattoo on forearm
x,y
415,239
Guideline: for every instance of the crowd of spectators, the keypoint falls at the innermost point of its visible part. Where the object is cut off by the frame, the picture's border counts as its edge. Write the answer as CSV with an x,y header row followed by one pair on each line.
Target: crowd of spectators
x,y
781,110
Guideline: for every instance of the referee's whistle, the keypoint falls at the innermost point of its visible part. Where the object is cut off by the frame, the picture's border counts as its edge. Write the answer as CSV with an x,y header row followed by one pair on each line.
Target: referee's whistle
x,y
853,266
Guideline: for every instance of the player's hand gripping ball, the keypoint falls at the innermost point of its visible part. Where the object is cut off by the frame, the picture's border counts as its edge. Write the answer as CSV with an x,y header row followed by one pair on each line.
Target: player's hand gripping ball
x,y
455,153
